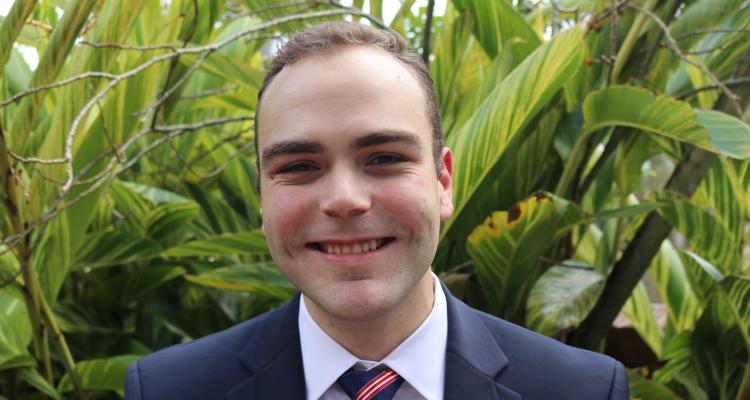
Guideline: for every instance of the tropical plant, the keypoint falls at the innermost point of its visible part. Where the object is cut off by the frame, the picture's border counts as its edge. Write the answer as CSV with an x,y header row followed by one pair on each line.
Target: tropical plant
x,y
131,222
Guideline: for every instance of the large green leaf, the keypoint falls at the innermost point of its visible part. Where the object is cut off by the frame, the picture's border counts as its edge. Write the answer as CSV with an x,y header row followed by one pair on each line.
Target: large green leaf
x,y
648,389
112,248
640,313
707,236
169,219
229,69
561,299
671,280
637,108
32,377
499,24
15,328
100,374
221,245
506,248
264,277
726,196
701,274
729,135
481,143
129,286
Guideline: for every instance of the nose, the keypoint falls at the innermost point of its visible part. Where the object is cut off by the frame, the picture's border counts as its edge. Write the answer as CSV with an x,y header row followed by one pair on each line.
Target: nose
x,y
345,195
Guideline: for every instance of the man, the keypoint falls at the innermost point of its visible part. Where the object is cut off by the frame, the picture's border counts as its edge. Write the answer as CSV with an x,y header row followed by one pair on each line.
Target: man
x,y
354,182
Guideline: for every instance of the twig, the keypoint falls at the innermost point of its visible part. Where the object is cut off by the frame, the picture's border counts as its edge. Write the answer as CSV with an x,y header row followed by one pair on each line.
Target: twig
x,y
226,162
39,24
672,44
108,45
30,160
85,75
210,92
705,31
612,39
729,83
652,50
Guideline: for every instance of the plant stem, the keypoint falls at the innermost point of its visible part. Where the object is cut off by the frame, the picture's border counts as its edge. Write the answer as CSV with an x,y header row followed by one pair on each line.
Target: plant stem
x,y
427,33
627,45
15,224
563,186
58,337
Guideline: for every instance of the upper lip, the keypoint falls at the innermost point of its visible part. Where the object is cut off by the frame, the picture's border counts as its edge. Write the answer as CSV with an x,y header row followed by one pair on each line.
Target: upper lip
x,y
343,242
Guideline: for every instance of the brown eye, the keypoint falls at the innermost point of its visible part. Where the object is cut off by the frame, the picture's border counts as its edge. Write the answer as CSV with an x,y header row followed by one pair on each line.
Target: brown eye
x,y
297,168
386,159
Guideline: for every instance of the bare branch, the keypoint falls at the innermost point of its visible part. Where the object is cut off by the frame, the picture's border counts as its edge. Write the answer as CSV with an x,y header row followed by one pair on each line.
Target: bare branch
x,y
107,45
211,92
85,75
30,160
729,83
706,31
39,24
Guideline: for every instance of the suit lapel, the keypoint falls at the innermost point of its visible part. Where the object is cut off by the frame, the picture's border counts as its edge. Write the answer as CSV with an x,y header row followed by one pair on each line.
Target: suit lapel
x,y
473,359
273,358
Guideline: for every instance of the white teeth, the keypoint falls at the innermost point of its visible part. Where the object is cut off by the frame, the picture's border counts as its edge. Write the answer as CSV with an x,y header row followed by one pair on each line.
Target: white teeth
x,y
355,248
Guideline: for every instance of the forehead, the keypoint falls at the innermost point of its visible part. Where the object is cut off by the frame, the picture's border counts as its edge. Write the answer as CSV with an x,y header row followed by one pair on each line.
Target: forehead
x,y
354,89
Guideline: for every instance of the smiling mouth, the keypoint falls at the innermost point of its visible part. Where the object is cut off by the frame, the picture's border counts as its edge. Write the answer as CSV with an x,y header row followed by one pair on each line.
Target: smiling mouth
x,y
364,246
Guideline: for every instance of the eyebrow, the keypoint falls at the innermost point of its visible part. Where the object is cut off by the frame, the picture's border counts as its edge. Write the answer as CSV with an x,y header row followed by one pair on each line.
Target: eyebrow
x,y
387,136
290,147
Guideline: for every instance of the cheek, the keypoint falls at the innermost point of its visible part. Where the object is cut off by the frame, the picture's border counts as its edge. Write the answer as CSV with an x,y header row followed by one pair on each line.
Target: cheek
x,y
283,211
415,205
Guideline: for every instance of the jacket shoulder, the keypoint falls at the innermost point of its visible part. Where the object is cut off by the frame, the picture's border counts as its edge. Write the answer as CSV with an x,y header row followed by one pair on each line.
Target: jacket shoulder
x,y
537,362
204,368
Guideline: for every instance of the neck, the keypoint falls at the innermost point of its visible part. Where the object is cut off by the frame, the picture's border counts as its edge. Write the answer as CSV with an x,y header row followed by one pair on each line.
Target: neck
x,y
375,338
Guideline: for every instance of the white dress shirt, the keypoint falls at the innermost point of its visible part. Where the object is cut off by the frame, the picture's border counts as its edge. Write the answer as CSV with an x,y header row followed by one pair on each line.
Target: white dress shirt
x,y
420,359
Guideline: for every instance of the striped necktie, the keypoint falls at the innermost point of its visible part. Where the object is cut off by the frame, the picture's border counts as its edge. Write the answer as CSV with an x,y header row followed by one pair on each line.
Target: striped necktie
x,y
370,385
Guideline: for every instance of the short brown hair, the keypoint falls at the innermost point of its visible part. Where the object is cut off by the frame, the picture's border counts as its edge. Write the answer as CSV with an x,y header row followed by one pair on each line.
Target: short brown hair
x,y
335,35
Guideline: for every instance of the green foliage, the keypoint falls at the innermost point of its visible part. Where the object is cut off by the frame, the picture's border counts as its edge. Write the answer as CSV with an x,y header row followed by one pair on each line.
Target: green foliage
x,y
142,228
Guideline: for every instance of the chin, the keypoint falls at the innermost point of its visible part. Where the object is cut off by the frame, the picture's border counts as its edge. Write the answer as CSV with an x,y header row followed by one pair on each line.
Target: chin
x,y
354,301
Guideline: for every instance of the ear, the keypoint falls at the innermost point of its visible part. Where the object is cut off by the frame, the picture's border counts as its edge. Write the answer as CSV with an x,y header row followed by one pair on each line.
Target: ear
x,y
445,178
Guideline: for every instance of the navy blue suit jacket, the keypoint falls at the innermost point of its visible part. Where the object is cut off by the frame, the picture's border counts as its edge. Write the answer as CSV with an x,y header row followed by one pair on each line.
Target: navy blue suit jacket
x,y
486,358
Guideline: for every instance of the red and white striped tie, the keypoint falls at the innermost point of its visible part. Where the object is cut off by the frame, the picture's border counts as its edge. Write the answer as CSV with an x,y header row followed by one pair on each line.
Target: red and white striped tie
x,y
370,385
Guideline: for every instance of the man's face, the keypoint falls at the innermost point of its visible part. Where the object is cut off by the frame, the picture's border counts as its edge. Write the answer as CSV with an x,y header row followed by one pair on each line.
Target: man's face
x,y
351,201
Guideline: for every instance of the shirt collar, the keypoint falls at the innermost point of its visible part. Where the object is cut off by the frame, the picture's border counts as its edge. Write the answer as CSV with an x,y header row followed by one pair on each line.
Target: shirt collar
x,y
324,360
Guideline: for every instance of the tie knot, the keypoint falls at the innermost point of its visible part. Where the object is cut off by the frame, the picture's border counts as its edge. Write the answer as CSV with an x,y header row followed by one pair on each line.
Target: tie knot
x,y
370,385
